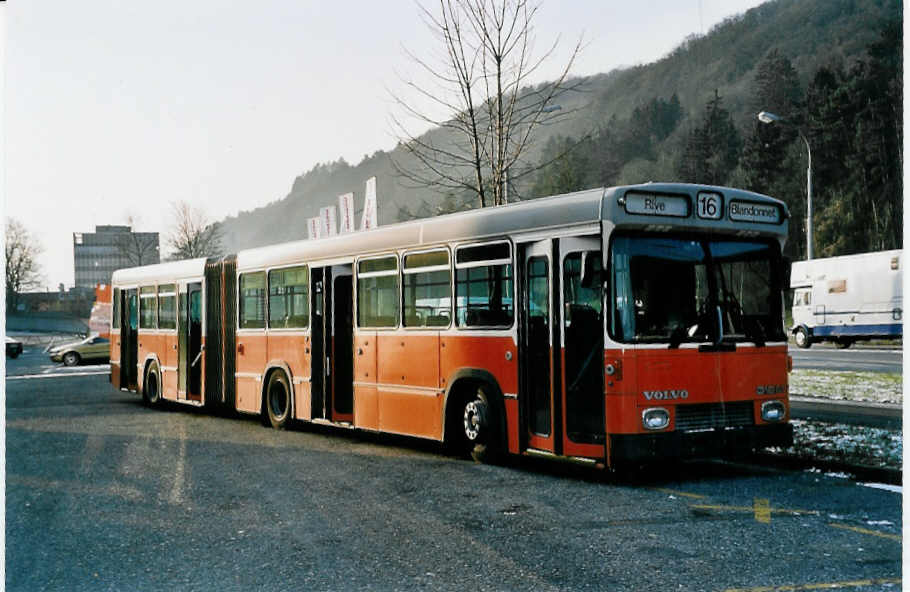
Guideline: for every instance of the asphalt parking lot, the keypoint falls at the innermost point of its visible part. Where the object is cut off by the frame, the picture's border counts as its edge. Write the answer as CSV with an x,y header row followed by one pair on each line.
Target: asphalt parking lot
x,y
106,494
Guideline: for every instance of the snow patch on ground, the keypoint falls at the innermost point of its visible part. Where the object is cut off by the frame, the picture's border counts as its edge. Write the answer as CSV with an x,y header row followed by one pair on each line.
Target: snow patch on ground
x,y
885,486
874,387
874,447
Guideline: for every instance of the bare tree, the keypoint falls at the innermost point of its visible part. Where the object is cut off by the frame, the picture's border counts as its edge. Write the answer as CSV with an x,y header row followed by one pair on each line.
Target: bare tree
x,y
483,80
139,248
193,234
22,269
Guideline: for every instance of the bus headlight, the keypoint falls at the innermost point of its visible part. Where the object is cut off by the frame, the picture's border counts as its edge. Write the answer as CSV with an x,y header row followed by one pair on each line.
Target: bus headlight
x,y
773,411
655,418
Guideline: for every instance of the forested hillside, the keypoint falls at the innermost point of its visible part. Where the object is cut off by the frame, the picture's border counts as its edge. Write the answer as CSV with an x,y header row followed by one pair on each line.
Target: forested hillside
x,y
831,68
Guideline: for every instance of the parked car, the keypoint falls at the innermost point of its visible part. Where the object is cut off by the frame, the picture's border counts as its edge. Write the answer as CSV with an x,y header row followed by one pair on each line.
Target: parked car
x,y
13,348
90,349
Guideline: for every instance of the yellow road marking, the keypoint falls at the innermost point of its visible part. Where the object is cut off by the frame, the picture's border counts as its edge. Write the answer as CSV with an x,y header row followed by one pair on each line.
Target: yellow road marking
x,y
762,510
757,509
821,586
681,493
884,535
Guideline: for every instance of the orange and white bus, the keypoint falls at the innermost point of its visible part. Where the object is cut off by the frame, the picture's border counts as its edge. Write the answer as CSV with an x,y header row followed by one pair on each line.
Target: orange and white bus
x,y
606,326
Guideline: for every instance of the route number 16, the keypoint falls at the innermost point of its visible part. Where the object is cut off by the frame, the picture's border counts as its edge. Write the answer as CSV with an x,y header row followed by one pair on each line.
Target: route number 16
x,y
709,206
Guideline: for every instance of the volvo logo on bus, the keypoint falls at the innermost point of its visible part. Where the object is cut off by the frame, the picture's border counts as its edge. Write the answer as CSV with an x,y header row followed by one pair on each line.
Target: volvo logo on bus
x,y
770,389
665,395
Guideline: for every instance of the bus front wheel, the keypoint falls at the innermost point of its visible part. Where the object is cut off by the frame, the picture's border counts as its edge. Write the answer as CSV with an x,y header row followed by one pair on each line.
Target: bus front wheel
x,y
478,426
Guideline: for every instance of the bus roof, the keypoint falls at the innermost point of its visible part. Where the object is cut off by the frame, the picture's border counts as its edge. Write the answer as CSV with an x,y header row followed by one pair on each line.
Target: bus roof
x,y
579,209
187,269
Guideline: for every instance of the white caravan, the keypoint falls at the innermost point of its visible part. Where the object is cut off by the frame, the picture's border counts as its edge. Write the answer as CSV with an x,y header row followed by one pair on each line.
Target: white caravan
x,y
847,299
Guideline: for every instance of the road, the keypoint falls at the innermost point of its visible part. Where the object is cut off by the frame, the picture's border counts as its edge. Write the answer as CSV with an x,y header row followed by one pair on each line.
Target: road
x,y
34,361
821,357
103,493
856,358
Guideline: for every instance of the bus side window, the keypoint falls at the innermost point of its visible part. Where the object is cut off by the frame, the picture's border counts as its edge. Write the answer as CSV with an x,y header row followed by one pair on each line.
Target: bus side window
x,y
252,300
148,307
167,306
289,304
484,285
377,292
427,289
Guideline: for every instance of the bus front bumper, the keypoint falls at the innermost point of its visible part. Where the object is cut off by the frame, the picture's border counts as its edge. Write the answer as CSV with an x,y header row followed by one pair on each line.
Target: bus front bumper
x,y
632,448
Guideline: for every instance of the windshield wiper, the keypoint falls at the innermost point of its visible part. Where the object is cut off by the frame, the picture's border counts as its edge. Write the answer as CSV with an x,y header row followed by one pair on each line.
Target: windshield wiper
x,y
677,336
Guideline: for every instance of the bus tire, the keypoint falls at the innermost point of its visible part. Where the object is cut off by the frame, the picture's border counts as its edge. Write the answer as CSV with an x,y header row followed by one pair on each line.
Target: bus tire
x,y
478,426
843,343
278,400
803,339
151,386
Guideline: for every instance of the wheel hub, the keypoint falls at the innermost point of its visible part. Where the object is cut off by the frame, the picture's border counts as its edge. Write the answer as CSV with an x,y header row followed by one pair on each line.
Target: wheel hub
x,y
474,420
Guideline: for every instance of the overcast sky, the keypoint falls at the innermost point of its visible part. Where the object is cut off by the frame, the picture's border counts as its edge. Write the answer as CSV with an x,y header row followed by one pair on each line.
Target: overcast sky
x,y
114,109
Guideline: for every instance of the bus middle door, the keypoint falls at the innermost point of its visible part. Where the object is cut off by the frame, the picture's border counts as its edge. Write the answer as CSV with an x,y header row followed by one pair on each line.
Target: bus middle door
x,y
189,342
539,359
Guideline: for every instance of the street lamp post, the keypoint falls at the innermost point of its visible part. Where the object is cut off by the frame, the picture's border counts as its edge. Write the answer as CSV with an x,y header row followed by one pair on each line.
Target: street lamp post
x,y
768,117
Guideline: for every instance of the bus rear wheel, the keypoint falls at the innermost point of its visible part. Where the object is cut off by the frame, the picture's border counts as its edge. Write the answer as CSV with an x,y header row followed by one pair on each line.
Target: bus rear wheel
x,y
278,400
151,390
843,343
478,432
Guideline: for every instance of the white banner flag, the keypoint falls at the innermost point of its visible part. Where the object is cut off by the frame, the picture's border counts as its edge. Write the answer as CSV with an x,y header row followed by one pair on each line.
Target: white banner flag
x,y
329,221
369,219
346,210
314,227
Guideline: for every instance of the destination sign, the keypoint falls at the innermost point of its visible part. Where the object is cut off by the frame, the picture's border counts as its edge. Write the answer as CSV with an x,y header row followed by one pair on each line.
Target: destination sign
x,y
747,211
654,204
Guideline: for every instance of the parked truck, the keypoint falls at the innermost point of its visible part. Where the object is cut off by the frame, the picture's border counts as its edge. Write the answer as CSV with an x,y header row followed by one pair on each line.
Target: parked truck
x,y
847,299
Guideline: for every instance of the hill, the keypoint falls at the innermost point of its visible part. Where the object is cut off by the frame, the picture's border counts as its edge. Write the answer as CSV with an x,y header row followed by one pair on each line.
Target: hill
x,y
724,63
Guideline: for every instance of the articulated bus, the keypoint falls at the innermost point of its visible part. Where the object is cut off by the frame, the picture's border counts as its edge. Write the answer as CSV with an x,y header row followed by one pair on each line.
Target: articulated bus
x,y
607,326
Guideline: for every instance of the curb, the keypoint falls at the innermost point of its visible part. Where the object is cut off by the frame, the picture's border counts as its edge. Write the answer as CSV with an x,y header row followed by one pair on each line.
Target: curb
x,y
880,415
857,472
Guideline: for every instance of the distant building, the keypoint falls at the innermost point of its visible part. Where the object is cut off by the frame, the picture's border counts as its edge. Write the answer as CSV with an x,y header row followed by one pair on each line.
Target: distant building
x,y
97,254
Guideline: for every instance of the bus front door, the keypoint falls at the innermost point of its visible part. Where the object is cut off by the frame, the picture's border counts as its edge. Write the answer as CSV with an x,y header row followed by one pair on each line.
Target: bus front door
x,y
129,339
582,351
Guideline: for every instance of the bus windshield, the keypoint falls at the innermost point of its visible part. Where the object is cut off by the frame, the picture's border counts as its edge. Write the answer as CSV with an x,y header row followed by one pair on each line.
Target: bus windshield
x,y
684,290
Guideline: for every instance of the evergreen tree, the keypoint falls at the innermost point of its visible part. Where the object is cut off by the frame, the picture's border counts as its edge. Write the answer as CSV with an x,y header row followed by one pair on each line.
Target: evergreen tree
x,y
712,149
854,122
774,159
776,88
568,167
878,160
